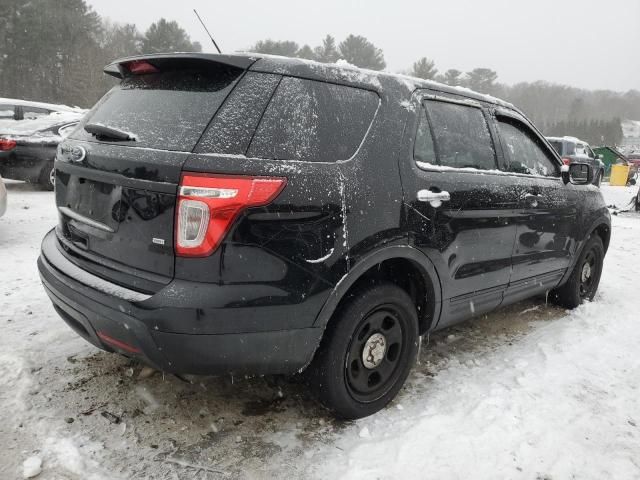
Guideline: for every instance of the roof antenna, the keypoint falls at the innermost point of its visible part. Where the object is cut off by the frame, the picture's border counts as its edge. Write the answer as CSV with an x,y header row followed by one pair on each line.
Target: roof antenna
x,y
207,30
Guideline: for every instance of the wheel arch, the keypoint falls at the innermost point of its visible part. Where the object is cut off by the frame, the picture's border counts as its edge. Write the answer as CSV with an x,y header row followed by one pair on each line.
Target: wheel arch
x,y
390,264
600,227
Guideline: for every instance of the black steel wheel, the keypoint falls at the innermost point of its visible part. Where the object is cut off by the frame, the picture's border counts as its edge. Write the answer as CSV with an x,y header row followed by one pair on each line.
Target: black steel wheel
x,y
373,357
367,352
584,280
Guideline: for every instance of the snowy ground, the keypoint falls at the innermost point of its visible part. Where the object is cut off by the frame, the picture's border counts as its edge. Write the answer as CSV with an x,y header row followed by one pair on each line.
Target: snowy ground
x,y
529,392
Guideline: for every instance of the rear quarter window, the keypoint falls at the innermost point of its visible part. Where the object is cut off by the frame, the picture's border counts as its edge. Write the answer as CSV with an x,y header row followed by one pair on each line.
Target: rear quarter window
x,y
314,121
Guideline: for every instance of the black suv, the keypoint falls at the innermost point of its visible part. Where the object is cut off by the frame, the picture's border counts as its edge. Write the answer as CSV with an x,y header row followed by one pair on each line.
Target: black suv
x,y
246,214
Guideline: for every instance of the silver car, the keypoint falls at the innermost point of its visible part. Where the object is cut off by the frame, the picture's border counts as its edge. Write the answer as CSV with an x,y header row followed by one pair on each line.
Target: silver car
x,y
3,198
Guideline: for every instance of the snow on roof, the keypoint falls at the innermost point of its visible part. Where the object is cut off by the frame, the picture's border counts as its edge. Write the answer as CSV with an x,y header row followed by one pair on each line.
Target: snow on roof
x,y
48,106
566,138
35,126
366,75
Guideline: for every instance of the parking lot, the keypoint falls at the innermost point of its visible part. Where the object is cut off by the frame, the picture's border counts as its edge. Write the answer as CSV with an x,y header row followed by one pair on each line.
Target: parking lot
x,y
529,388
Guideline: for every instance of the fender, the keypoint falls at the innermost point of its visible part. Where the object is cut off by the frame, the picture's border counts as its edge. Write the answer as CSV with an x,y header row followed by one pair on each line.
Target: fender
x,y
387,253
601,220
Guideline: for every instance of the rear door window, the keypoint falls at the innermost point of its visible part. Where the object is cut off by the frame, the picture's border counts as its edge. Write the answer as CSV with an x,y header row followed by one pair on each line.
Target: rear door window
x,y
524,151
314,121
461,136
557,146
168,110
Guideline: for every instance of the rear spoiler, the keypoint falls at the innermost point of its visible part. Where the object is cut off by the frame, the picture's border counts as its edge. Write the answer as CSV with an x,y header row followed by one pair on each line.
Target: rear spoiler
x,y
117,69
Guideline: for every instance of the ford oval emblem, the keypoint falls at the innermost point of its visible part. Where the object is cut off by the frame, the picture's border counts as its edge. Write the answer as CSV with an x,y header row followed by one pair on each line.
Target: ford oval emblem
x,y
78,154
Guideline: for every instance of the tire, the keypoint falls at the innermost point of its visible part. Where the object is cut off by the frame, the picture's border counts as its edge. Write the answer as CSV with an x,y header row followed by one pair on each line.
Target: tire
x,y
46,178
583,282
383,319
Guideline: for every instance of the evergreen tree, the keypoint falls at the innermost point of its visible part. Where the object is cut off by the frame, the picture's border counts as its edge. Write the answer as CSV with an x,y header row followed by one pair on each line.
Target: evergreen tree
x,y
327,52
168,36
272,47
306,52
358,51
482,79
452,77
424,68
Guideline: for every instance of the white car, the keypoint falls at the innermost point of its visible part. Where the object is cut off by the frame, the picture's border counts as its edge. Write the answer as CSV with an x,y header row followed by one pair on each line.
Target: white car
x,y
3,198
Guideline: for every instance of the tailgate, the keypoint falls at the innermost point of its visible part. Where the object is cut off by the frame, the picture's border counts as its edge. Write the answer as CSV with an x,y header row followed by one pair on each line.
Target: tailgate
x,y
117,173
117,226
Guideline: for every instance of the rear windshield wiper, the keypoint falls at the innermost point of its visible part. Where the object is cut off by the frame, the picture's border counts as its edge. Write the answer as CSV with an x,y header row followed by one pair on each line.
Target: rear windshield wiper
x,y
103,131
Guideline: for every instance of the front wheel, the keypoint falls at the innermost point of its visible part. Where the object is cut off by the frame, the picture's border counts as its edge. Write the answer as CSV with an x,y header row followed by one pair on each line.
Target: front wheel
x,y
585,278
367,352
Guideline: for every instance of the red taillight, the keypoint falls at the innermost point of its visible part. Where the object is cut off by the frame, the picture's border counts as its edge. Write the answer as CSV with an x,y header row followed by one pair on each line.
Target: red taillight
x,y
140,67
209,204
7,144
566,161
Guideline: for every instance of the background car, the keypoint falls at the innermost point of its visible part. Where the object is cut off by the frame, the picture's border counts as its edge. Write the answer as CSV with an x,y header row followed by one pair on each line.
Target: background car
x,y
634,159
29,136
572,149
3,197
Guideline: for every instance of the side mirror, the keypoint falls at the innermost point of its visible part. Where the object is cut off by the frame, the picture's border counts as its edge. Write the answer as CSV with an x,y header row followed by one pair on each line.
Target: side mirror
x,y
600,156
577,173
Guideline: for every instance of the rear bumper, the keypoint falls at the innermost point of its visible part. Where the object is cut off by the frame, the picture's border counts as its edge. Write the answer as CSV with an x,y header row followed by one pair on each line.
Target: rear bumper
x,y
121,320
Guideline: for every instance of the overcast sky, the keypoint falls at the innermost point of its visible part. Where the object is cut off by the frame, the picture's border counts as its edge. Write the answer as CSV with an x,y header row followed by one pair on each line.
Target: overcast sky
x,y
592,44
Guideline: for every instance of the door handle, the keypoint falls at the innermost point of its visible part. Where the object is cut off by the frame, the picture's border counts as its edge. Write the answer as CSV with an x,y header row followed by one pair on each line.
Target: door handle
x,y
532,199
433,198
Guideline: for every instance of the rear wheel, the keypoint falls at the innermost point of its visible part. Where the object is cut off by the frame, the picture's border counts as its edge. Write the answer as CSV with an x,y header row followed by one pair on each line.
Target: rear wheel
x,y
47,178
367,352
585,278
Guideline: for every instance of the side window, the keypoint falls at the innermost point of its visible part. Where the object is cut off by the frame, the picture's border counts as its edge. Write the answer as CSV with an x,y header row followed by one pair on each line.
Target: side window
x,y
31,113
7,112
233,126
462,136
524,152
423,150
314,121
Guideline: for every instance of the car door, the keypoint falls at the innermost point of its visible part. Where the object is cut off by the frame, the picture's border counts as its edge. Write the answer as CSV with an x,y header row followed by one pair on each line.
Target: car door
x,y
547,208
459,207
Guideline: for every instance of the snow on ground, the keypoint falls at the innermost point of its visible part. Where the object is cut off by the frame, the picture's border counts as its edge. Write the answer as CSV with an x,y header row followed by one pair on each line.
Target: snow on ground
x,y
530,391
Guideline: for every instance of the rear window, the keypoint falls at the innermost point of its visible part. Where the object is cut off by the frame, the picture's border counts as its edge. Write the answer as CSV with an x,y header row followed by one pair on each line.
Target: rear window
x,y
314,121
167,110
6,112
557,146
461,136
32,113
